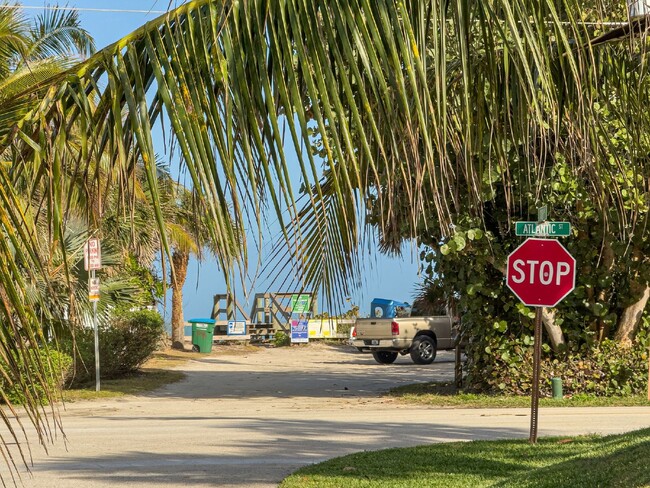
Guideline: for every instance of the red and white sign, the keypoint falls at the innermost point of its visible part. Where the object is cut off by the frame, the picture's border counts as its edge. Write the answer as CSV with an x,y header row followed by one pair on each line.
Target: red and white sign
x,y
92,255
541,272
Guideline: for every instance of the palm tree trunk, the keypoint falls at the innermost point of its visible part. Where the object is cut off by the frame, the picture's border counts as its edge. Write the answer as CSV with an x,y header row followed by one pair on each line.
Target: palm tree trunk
x,y
180,261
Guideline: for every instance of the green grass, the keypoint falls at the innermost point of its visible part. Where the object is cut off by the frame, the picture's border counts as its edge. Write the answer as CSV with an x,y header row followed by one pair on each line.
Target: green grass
x,y
574,462
446,395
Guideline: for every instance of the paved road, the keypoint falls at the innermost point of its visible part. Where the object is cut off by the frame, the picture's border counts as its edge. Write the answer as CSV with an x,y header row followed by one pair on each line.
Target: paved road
x,y
249,420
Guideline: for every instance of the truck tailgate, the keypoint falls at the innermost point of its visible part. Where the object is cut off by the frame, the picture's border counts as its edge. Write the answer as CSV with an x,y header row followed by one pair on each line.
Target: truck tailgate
x,y
374,329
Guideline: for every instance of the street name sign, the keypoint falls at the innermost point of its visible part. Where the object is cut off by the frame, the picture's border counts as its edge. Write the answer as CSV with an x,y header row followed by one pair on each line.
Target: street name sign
x,y
552,229
541,272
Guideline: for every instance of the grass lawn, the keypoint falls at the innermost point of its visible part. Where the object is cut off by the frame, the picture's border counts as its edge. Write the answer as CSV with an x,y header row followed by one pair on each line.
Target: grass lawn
x,y
447,395
613,461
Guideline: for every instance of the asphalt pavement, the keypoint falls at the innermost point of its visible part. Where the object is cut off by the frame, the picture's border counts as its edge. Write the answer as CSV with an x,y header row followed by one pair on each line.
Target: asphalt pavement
x,y
250,419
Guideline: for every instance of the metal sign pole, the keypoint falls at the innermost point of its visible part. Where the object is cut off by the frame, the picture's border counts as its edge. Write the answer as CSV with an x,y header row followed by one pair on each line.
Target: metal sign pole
x,y
537,357
95,325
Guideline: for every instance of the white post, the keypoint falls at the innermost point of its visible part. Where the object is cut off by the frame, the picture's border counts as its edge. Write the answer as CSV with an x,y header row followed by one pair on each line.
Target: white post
x,y
95,325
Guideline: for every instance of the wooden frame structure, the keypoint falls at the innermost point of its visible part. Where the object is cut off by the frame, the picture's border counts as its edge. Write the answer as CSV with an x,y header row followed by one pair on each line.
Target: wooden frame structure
x,y
270,312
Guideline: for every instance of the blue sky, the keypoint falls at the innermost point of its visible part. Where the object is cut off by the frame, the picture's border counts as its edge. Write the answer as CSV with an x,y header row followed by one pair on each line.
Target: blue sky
x,y
385,277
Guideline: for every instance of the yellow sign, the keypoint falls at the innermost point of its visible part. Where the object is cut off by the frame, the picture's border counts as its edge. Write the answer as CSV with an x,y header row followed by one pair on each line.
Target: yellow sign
x,y
322,328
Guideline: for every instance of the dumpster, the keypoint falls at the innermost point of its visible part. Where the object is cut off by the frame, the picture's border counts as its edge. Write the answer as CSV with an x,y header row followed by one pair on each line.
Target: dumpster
x,y
389,309
202,334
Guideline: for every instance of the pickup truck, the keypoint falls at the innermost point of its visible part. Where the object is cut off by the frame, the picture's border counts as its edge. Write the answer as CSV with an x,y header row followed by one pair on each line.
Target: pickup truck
x,y
420,337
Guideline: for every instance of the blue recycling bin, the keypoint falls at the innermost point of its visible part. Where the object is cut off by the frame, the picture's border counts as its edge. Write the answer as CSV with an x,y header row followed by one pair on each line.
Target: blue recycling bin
x,y
382,308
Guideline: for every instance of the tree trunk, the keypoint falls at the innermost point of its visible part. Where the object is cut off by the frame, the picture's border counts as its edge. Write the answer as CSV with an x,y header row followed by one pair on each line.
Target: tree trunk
x,y
553,330
180,261
631,317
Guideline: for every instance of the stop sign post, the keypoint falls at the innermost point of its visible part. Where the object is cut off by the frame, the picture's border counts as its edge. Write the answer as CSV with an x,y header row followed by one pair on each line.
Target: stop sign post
x,y
541,272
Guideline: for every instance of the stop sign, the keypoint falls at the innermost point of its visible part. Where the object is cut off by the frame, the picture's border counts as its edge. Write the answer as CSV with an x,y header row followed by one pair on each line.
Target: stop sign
x,y
541,272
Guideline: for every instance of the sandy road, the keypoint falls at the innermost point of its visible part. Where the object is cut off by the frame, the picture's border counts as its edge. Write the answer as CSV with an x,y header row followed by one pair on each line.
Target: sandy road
x,y
248,420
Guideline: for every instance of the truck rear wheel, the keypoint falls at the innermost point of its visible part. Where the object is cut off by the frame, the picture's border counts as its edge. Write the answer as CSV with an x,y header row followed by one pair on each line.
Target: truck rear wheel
x,y
423,350
384,357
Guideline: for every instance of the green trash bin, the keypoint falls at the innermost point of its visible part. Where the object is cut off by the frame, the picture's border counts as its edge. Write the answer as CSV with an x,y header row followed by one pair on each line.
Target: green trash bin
x,y
202,334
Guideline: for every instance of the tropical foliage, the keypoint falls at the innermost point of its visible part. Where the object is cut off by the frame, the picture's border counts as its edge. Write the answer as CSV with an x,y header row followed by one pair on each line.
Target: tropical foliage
x,y
125,343
420,119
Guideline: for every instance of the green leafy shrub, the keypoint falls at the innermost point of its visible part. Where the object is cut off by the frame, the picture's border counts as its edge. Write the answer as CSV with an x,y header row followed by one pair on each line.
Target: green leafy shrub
x,y
281,339
610,369
55,366
124,345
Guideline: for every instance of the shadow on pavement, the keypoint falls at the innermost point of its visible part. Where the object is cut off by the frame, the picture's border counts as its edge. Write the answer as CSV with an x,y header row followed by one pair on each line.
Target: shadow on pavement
x,y
288,445
315,384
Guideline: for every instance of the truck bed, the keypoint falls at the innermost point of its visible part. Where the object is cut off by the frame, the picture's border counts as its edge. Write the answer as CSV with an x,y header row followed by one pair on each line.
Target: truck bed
x,y
375,333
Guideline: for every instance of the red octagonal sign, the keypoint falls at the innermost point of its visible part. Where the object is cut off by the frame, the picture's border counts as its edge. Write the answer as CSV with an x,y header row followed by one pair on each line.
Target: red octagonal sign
x,y
541,272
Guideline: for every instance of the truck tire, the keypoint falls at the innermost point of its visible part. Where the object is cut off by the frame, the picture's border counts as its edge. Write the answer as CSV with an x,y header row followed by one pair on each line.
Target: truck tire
x,y
423,350
384,357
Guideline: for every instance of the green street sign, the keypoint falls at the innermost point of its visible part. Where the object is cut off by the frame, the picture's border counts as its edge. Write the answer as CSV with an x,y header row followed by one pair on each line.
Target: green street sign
x,y
552,229
300,303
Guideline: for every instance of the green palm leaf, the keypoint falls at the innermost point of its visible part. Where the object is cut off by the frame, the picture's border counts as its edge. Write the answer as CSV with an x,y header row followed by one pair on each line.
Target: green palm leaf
x,y
395,111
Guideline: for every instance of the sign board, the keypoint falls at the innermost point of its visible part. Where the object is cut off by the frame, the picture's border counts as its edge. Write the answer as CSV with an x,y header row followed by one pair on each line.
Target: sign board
x,y
299,331
300,304
236,327
322,328
92,255
552,229
93,289
541,272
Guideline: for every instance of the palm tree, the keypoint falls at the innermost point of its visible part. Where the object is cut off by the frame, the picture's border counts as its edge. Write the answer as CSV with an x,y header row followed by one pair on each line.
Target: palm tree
x,y
187,236
31,54
379,100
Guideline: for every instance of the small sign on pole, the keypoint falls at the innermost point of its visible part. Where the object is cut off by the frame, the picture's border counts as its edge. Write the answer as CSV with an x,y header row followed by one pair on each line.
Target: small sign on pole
x,y
92,255
93,262
93,289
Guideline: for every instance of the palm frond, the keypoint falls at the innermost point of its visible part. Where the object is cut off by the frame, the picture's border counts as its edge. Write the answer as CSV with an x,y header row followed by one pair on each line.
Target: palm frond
x,y
13,38
401,116
58,33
